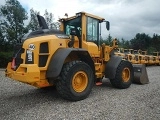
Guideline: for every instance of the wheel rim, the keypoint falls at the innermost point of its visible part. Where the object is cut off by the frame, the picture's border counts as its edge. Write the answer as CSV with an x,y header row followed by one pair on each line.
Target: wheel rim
x,y
80,81
126,74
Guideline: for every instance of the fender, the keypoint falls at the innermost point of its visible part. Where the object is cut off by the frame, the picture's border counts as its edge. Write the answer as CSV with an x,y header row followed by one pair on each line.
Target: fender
x,y
58,58
111,66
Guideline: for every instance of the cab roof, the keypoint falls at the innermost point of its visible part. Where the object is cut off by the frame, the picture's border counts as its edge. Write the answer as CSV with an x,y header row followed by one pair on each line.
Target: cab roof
x,y
83,13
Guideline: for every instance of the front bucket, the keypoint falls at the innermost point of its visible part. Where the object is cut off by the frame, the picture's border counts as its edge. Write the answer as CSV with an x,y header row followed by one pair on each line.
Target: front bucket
x,y
140,74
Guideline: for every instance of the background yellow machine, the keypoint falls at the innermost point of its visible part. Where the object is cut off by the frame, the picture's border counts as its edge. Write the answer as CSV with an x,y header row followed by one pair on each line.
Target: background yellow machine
x,y
138,56
71,58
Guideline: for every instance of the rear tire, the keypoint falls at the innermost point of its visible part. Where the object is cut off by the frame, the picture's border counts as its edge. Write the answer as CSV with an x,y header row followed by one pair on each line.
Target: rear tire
x,y
124,75
76,81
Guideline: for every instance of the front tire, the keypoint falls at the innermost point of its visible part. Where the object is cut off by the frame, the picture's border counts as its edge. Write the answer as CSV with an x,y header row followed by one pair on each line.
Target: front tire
x,y
76,81
124,75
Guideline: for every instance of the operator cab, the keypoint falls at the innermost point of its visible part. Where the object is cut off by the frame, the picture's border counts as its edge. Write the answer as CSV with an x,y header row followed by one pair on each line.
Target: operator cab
x,y
88,30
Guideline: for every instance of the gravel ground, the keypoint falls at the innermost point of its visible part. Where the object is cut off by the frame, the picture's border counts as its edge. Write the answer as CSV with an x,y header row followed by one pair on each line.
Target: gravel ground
x,y
19,101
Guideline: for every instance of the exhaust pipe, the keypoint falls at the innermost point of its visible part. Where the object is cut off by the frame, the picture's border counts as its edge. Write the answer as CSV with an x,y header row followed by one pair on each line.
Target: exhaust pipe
x,y
140,74
42,22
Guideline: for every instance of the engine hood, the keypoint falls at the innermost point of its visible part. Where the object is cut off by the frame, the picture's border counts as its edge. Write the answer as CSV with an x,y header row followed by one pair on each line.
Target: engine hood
x,y
44,32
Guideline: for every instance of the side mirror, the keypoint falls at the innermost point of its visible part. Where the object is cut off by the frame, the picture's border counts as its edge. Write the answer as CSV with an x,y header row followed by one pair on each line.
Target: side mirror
x,y
107,25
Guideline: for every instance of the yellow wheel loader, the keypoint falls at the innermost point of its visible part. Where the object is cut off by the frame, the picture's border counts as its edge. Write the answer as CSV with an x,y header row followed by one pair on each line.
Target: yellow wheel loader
x,y
137,56
131,56
151,60
144,57
71,58
120,52
156,58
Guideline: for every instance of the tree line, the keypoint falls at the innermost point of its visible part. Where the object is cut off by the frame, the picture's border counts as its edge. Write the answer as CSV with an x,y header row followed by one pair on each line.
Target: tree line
x,y
15,22
13,27
140,41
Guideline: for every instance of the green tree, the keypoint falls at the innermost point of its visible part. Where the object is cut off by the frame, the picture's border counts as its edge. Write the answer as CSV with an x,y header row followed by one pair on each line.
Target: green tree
x,y
12,23
49,17
155,42
141,41
109,39
127,44
150,50
124,43
1,39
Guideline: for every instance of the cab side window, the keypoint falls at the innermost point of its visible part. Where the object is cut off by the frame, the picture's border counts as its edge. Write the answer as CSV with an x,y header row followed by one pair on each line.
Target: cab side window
x,y
92,29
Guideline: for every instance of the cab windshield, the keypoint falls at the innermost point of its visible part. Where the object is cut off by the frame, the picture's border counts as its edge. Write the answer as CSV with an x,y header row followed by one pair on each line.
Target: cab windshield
x,y
92,28
74,23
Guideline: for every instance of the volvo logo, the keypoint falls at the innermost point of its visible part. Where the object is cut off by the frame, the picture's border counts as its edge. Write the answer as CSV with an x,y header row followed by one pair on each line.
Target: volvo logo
x,y
61,36
31,46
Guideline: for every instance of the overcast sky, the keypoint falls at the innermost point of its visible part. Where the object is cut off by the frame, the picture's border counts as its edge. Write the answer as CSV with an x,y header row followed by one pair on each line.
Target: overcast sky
x,y
127,17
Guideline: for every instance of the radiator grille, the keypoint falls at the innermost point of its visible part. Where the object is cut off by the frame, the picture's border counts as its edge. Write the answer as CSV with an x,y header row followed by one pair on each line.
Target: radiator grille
x,y
43,54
